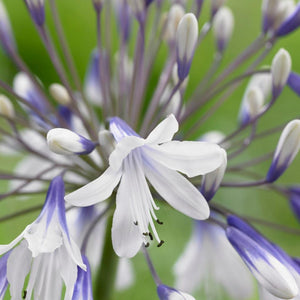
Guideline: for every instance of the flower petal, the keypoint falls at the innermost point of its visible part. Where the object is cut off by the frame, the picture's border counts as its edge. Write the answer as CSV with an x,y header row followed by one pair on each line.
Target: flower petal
x,y
125,274
177,191
164,131
190,158
123,148
126,237
5,248
97,190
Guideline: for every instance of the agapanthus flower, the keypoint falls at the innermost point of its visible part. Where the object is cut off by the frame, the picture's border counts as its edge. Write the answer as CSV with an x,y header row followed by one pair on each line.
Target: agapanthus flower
x,y
158,159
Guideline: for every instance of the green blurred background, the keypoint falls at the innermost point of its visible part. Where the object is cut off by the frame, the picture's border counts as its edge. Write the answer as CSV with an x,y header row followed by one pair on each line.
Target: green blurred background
x,y
78,19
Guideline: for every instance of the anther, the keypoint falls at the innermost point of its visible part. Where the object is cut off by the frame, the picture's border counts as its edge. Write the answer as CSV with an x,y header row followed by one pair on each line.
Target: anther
x,y
147,245
24,294
145,233
136,223
160,243
151,236
159,222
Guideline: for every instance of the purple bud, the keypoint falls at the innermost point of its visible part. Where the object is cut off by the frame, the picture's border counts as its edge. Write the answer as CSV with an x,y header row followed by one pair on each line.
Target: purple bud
x,y
294,195
37,11
294,82
167,293
291,23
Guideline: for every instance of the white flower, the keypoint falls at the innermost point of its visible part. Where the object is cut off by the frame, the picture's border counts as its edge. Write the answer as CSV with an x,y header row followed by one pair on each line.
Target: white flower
x,y
210,258
158,159
167,293
45,247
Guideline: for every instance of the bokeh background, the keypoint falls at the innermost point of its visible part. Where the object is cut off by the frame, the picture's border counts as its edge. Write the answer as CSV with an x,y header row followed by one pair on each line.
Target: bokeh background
x,y
78,19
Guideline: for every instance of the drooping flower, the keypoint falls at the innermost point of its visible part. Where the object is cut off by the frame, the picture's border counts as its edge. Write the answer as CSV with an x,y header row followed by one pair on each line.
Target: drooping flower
x,y
42,249
158,159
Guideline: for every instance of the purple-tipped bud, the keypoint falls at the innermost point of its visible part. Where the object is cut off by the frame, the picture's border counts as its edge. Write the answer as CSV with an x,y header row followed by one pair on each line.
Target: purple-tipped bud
x,y
167,293
291,23
223,24
6,36
124,18
294,82
186,40
37,11
215,6
281,68
98,5
211,181
287,148
66,142
266,268
83,286
294,195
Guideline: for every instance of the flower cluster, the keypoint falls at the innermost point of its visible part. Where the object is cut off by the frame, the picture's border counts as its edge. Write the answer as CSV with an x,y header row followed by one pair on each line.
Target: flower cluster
x,y
108,152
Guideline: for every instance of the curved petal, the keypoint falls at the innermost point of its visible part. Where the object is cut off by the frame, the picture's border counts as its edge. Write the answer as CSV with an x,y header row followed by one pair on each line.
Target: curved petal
x,y
126,237
5,248
164,131
125,274
177,191
123,148
190,158
97,190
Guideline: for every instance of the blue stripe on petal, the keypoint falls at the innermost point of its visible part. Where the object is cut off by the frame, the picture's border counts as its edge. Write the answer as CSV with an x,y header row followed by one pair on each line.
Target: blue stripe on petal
x,y
294,82
3,272
291,23
120,129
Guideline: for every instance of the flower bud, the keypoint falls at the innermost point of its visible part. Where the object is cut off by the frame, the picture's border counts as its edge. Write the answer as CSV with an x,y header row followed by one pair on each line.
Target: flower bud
x,y
263,81
98,5
37,11
175,78
137,7
211,181
106,141
124,18
167,293
60,94
186,40
252,104
66,142
223,24
294,197
281,68
215,5
272,274
174,16
6,36
269,12
286,150
290,23
6,107
294,82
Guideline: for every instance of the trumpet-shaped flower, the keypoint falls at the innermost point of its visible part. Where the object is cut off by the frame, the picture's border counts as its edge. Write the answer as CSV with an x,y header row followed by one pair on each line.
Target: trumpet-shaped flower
x,y
158,159
45,246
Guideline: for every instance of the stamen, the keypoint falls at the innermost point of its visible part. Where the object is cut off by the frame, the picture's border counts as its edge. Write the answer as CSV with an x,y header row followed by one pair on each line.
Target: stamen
x,y
151,236
147,245
160,243
159,222
136,223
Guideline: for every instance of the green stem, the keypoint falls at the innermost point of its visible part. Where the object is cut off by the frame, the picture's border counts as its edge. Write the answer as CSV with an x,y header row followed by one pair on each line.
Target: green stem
x,y
105,277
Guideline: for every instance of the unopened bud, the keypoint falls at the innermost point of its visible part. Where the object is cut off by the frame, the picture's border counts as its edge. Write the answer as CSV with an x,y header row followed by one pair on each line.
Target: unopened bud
x,y
294,197
281,68
137,7
215,6
37,10
263,81
211,181
287,148
223,26
167,293
66,142
98,5
252,104
290,23
59,94
294,82
174,16
175,78
107,141
6,36
186,40
6,107
269,11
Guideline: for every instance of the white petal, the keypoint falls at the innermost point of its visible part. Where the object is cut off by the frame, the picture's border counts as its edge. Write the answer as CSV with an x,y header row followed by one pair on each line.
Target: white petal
x,y
177,191
123,148
5,248
190,158
265,295
18,266
164,131
125,274
126,237
97,190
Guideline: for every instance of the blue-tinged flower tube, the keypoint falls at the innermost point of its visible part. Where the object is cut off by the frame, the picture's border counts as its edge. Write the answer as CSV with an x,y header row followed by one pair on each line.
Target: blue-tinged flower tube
x,y
272,274
83,286
210,258
66,142
158,159
3,274
211,181
186,41
294,197
6,36
294,82
291,23
287,148
37,10
167,293
42,249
